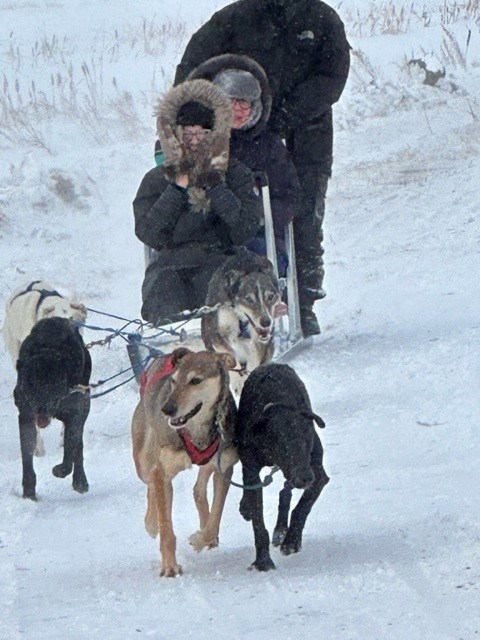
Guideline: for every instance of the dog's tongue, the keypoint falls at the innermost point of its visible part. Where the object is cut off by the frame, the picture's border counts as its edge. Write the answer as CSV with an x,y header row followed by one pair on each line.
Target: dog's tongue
x,y
42,421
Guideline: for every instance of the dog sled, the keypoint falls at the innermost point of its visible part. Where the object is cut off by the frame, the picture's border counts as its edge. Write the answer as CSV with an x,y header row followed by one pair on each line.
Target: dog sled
x,y
287,333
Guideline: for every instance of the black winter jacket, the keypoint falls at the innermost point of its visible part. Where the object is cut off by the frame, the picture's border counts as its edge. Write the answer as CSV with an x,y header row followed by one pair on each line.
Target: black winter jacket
x,y
267,153
302,46
164,218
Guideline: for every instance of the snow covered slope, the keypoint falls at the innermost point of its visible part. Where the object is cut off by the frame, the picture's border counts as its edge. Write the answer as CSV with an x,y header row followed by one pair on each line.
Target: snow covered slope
x,y
392,547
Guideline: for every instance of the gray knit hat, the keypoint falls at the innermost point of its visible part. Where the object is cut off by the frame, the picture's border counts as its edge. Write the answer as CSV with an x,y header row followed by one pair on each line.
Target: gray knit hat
x,y
242,85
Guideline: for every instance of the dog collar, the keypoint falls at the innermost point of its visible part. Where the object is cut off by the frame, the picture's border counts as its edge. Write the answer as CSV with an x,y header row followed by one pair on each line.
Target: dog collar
x,y
196,455
145,381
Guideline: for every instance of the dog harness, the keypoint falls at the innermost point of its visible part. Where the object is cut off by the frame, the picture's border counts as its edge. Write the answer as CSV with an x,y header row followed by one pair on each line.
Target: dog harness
x,y
145,381
43,294
196,455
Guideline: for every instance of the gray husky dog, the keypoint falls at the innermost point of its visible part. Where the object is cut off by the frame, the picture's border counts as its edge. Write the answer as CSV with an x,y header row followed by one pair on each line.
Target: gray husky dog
x,y
244,293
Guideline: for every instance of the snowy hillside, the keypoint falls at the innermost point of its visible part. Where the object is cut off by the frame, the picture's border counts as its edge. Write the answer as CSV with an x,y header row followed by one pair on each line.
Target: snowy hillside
x,y
392,547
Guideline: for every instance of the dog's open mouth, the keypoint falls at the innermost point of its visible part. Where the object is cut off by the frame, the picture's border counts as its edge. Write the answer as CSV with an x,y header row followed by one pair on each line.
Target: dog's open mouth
x,y
264,335
177,423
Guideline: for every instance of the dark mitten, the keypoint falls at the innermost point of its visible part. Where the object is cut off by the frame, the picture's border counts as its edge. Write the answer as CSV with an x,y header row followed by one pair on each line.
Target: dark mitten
x,y
186,165
209,179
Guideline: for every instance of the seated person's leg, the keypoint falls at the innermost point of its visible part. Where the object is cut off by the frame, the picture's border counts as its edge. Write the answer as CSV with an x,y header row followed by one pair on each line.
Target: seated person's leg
x,y
200,279
259,245
165,295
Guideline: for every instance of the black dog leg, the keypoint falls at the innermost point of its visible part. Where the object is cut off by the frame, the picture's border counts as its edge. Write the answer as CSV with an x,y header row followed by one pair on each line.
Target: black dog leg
x,y
80,482
65,468
73,449
263,561
251,478
28,441
251,508
281,527
292,542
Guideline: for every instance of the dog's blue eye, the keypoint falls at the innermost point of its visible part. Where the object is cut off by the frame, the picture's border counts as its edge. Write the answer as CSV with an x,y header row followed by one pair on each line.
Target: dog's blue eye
x,y
196,380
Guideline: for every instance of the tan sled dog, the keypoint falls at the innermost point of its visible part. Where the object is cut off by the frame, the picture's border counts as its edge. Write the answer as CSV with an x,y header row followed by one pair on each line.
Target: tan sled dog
x,y
185,411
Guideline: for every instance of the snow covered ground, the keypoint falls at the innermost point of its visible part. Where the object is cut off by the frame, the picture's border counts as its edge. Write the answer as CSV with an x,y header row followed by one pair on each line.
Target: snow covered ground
x,y
392,547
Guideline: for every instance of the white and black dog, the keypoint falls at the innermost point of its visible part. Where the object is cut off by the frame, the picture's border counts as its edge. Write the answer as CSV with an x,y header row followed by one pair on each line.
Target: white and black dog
x,y
54,370
28,305
31,303
244,293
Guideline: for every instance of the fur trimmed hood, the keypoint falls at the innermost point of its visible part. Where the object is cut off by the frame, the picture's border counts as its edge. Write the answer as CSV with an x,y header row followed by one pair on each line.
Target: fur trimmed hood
x,y
212,152
210,68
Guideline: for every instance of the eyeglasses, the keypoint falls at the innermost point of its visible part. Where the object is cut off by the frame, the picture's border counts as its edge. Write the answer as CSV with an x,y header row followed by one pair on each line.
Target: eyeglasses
x,y
188,136
244,105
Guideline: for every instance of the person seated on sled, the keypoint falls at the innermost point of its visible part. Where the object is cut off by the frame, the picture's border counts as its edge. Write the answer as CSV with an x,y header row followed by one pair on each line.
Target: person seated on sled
x,y
195,208
251,142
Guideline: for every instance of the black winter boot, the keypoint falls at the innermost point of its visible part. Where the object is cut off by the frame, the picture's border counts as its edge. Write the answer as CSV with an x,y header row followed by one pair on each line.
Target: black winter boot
x,y
310,326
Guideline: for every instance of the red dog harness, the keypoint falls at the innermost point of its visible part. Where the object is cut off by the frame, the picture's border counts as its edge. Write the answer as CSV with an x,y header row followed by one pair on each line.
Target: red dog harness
x,y
196,455
145,381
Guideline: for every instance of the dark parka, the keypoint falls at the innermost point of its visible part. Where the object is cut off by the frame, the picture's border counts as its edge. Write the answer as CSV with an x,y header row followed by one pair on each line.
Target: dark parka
x,y
260,149
193,229
303,48
301,44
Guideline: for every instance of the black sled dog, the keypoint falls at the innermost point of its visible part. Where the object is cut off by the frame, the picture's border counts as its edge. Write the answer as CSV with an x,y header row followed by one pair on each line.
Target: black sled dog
x,y
54,370
275,428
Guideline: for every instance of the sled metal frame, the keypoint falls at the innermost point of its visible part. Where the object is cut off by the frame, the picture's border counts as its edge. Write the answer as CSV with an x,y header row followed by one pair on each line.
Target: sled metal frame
x,y
286,338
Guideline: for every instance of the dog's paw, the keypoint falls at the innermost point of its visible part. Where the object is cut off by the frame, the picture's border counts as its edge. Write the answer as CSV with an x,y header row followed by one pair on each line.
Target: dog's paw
x,y
61,470
291,545
199,541
278,536
80,485
30,494
151,528
266,564
170,570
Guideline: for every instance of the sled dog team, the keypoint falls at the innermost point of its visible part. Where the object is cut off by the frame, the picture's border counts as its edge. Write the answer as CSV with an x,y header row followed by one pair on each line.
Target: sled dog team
x,y
186,414
226,119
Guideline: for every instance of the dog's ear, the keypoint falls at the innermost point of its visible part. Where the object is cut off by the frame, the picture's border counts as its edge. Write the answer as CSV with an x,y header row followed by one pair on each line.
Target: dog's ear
x,y
47,311
178,354
313,416
232,279
228,359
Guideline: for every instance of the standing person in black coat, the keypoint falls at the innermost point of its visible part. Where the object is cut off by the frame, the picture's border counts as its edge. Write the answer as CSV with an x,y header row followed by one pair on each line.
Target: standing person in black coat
x,y
302,46
258,148
197,207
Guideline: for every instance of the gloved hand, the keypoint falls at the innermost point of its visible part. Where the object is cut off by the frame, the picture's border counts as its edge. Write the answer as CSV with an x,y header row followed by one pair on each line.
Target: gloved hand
x,y
209,178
